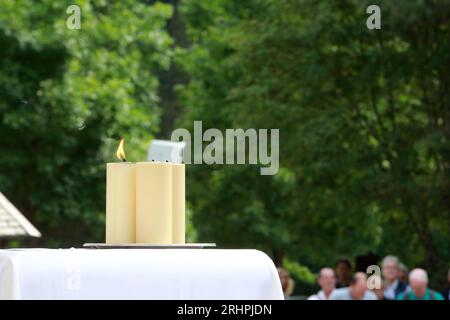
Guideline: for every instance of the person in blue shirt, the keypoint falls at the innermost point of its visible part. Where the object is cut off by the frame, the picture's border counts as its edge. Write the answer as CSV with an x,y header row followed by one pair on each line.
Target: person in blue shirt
x,y
357,290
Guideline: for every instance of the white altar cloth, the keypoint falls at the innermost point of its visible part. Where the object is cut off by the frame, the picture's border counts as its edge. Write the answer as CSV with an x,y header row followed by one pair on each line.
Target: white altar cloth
x,y
137,274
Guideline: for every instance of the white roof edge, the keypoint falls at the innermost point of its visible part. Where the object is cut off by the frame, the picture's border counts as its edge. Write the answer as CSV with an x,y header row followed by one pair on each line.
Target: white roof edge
x,y
24,223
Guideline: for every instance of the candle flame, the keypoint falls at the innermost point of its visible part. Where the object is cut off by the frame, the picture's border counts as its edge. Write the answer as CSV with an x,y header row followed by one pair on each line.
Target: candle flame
x,y
120,152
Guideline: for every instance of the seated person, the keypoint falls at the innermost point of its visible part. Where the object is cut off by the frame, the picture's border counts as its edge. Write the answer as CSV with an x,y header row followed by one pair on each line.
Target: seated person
x,y
356,291
418,281
392,284
327,283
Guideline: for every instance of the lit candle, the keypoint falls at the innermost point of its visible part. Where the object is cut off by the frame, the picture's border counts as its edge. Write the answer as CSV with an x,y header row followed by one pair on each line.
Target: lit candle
x,y
145,202
120,200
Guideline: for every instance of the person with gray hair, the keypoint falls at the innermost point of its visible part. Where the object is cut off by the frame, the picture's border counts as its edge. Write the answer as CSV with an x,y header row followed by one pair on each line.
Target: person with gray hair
x,y
392,285
418,281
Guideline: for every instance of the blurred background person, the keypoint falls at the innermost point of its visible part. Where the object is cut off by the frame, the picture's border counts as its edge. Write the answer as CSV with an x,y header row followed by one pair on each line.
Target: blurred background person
x,y
446,292
418,282
343,272
392,285
327,283
402,273
287,283
357,290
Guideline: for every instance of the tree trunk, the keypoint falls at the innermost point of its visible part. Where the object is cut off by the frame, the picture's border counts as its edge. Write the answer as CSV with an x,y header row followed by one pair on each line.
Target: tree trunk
x,y
278,256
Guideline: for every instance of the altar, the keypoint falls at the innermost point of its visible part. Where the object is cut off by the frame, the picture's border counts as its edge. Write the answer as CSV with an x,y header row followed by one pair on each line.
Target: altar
x,y
189,274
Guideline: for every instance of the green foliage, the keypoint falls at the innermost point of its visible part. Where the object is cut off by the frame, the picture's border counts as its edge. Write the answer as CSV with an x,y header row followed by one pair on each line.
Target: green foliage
x,y
305,282
66,97
299,272
364,126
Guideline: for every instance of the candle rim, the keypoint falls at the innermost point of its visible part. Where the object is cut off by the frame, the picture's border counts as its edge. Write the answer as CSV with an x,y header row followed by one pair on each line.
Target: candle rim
x,y
120,162
156,161
144,162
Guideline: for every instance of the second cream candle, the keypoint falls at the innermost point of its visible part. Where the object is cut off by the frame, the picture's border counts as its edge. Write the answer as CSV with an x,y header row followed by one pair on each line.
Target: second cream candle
x,y
153,202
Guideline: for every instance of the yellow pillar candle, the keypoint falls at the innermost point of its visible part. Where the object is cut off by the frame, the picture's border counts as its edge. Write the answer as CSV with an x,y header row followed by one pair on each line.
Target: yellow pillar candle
x,y
120,203
153,203
178,203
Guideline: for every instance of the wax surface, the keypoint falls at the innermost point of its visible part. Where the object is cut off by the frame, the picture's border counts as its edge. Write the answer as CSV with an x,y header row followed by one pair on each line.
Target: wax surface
x,y
178,203
153,202
120,203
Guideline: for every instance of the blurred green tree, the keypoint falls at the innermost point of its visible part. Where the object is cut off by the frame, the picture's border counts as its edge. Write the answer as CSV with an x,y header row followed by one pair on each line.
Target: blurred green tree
x,y
66,96
364,124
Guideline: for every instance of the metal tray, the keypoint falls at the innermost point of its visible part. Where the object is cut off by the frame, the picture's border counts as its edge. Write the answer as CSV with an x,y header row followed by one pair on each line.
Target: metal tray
x,y
148,246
